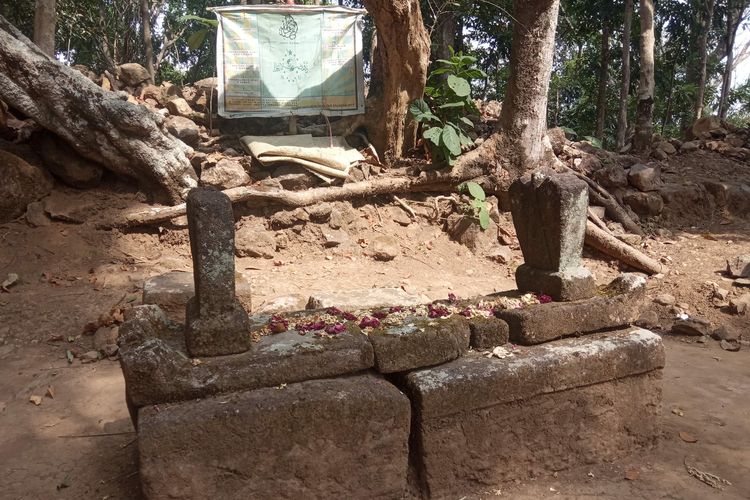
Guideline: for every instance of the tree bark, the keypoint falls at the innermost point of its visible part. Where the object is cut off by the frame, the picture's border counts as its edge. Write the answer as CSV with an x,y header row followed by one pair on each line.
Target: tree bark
x,y
601,101
645,109
434,181
524,115
100,125
44,26
609,245
147,42
707,19
622,119
403,53
734,16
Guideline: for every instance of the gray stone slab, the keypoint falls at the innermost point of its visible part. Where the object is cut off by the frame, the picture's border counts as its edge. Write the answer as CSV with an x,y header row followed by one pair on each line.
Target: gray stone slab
x,y
487,333
158,369
618,304
331,438
475,451
171,291
419,342
474,382
216,324
549,214
571,284
367,298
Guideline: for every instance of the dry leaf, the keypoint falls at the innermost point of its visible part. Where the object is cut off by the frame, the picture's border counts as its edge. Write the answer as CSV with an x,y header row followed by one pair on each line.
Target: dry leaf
x,y
50,392
37,400
687,437
632,474
12,279
678,412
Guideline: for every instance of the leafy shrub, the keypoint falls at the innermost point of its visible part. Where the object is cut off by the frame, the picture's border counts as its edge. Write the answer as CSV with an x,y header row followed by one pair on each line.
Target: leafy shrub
x,y
478,204
443,112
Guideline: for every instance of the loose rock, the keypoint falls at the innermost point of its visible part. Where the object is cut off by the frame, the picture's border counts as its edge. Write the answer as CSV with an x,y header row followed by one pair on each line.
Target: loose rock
x,y
227,173
21,184
739,267
645,177
741,304
665,299
183,128
385,248
254,242
695,327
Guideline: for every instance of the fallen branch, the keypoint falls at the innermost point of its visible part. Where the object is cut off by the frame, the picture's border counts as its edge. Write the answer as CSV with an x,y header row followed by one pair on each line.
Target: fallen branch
x,y
600,196
609,245
427,182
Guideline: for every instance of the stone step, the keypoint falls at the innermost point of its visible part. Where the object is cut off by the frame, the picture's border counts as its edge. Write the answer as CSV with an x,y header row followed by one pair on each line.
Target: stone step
x,y
617,305
330,438
158,369
479,421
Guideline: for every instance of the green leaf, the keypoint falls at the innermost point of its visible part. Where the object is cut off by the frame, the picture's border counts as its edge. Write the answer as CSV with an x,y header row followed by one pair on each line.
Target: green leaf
x,y
594,141
484,219
449,139
211,23
465,140
457,104
478,204
440,71
467,121
459,86
195,40
476,191
433,135
421,111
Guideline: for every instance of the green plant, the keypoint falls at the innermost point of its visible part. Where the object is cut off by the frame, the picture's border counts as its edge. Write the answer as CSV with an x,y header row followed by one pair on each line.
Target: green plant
x,y
442,113
478,203
197,38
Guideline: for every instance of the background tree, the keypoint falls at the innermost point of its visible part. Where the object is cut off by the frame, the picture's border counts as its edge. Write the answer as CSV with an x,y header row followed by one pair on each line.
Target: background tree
x,y
44,26
645,106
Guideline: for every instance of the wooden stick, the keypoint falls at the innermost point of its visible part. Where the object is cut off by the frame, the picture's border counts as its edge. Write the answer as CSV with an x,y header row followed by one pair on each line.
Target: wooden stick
x,y
609,245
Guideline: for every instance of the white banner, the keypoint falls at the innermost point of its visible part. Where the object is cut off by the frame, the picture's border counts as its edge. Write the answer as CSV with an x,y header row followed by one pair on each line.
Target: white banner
x,y
282,60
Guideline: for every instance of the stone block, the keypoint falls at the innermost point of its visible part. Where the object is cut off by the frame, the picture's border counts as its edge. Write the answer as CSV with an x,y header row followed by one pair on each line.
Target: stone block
x,y
645,177
739,266
332,438
618,304
216,323
419,342
171,291
549,214
368,298
157,368
571,284
487,333
479,421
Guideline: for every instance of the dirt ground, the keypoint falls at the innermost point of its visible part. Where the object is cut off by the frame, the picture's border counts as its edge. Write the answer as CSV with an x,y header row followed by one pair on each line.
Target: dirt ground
x,y
80,443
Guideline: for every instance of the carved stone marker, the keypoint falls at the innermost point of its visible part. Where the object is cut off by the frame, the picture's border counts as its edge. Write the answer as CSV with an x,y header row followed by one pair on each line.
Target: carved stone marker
x,y
216,322
549,214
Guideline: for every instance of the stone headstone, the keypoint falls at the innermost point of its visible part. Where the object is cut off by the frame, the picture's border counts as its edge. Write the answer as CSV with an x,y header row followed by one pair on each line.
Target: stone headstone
x,y
549,214
216,322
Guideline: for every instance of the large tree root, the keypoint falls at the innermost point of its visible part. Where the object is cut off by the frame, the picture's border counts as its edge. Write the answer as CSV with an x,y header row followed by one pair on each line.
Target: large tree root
x,y
609,245
426,182
614,210
100,125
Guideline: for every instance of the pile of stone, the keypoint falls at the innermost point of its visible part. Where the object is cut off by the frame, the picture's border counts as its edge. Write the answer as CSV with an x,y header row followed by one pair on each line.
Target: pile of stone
x,y
231,406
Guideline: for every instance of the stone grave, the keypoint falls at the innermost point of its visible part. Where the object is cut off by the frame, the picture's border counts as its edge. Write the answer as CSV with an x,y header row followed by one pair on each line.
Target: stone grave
x,y
425,401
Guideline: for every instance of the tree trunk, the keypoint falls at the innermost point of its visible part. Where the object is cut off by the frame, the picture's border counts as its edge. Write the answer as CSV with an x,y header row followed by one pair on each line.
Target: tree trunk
x,y
622,120
44,26
707,19
601,101
147,43
734,16
524,114
100,125
645,108
403,53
